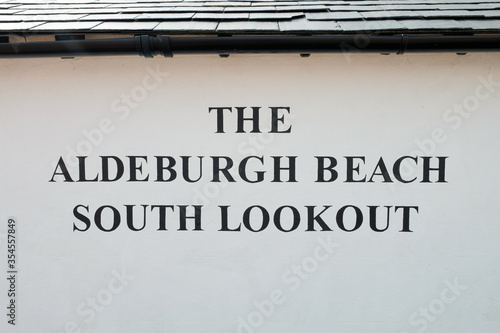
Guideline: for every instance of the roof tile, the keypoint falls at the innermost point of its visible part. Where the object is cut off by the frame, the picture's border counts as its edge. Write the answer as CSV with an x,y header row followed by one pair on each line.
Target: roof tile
x,y
331,16
251,16
186,27
248,26
482,24
165,16
221,16
18,26
125,26
369,26
66,26
446,24
303,25
275,16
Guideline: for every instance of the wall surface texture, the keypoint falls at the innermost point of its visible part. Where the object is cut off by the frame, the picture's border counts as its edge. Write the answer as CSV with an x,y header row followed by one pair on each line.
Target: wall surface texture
x,y
383,217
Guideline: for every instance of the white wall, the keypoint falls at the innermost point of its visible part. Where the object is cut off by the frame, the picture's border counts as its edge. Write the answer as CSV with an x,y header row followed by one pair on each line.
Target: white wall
x,y
442,277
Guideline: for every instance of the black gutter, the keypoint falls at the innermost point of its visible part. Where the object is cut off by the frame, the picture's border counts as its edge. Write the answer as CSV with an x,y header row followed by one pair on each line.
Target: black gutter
x,y
149,46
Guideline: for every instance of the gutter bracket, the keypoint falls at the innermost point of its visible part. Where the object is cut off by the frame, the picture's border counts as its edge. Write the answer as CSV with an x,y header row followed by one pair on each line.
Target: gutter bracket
x,y
142,44
164,46
404,44
69,37
224,55
150,46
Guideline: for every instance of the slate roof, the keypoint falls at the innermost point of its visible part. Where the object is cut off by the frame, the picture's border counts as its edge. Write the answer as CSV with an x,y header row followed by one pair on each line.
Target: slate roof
x,y
239,17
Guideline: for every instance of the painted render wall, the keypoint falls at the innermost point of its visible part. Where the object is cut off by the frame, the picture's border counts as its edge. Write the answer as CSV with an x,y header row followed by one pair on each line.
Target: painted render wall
x,y
441,277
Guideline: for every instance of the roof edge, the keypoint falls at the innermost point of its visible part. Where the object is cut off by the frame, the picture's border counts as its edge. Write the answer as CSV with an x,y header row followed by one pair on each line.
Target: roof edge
x,y
151,46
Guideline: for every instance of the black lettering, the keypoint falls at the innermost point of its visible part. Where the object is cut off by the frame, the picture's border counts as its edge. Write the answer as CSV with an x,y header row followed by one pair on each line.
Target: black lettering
x,y
224,220
265,218
276,119
397,169
160,167
295,222
185,169
82,218
243,166
64,171
440,169
278,168
351,168
340,218
330,168
105,168
130,217
224,170
162,216
311,218
116,218
254,119
220,117
383,172
81,170
373,218
183,218
406,216
134,168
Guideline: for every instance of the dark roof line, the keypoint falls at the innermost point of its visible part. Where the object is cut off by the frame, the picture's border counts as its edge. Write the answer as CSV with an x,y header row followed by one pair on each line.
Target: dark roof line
x,y
150,46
